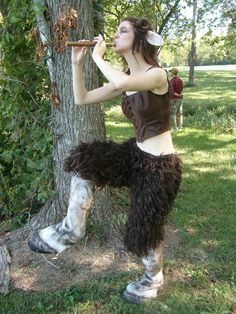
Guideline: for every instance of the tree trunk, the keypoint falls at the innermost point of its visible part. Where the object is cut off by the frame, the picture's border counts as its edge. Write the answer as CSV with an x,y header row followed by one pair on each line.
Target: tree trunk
x,y
192,54
71,124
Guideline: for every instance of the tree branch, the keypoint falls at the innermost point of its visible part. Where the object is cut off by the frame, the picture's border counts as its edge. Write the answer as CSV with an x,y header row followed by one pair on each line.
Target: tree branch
x,y
44,32
168,16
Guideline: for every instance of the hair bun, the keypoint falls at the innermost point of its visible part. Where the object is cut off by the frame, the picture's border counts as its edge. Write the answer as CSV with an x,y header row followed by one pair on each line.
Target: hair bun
x,y
144,24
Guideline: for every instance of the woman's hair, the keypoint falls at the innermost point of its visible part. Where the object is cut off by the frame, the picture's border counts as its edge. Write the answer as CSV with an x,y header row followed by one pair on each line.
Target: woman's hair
x,y
140,43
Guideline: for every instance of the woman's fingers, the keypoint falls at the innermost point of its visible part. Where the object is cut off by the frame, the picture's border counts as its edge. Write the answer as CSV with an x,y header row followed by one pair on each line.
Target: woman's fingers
x,y
98,39
78,53
84,50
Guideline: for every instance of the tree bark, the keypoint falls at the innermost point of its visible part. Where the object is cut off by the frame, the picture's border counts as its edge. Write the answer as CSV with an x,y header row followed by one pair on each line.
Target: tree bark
x,y
5,260
192,54
71,124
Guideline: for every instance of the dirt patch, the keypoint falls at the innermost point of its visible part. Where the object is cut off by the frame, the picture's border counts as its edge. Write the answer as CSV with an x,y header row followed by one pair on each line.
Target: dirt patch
x,y
37,272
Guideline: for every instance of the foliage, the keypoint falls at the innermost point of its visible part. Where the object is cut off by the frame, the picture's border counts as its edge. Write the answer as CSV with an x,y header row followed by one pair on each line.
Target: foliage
x,y
205,116
26,141
221,13
211,49
175,53
215,50
165,15
219,17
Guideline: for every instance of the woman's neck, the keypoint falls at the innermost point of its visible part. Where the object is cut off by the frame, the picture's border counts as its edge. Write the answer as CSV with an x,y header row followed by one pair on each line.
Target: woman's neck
x,y
136,63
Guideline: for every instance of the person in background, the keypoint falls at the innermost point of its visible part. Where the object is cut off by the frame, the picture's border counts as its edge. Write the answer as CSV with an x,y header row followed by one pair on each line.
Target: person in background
x,y
176,99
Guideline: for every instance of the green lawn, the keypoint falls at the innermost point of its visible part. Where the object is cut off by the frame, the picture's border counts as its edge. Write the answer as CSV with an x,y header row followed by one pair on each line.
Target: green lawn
x,y
201,277
212,86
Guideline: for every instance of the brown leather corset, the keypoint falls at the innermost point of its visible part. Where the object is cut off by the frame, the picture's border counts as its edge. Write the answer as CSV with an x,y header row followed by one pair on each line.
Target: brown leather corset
x,y
149,113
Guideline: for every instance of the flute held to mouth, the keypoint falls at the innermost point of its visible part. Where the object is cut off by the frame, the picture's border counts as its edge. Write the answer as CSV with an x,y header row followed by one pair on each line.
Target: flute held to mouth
x,y
86,43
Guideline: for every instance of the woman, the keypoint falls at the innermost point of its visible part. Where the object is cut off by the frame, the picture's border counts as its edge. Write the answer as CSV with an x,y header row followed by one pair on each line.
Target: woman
x,y
147,164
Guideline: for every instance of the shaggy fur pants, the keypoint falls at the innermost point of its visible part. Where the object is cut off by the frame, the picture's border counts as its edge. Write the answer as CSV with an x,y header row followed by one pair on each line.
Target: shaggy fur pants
x,y
153,181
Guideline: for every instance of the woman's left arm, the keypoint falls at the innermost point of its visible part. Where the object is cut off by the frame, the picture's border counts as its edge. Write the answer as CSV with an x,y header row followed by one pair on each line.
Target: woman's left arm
x,y
151,79
112,74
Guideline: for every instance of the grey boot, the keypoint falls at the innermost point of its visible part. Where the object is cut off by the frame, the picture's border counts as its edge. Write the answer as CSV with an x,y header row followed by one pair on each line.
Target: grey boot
x,y
57,238
148,286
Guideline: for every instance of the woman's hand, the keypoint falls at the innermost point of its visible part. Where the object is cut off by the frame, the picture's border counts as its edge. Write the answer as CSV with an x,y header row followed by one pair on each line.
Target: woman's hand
x,y
78,53
100,47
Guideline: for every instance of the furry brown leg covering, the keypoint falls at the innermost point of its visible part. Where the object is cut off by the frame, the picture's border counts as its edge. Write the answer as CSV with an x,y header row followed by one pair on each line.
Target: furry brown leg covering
x,y
101,162
155,183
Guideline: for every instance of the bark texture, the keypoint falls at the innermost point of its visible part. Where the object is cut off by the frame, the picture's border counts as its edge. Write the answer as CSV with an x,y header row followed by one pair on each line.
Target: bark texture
x,y
71,124
5,260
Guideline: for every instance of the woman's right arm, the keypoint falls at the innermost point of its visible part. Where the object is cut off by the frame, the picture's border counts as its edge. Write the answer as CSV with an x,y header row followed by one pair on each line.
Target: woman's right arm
x,y
81,95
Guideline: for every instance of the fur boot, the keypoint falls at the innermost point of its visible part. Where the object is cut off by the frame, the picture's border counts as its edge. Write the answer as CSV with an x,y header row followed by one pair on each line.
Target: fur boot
x,y
148,286
57,238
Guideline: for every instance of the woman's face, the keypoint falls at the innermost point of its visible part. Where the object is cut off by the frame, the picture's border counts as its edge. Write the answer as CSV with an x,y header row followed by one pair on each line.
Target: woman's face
x,y
124,37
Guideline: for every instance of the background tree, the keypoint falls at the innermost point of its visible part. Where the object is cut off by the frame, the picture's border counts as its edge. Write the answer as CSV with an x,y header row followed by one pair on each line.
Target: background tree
x,y
192,54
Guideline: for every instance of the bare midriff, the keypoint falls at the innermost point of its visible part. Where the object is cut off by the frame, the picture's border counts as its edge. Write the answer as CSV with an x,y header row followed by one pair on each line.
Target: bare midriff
x,y
158,145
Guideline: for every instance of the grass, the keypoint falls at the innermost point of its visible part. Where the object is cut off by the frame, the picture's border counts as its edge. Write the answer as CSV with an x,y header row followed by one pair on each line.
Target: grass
x,y
211,104
211,87
201,277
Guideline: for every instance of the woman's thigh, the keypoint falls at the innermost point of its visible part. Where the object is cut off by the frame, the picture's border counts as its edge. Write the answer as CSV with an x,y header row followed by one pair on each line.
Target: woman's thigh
x,y
102,162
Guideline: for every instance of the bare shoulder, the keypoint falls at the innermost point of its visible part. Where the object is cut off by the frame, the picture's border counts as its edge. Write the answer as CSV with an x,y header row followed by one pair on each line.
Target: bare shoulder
x,y
160,76
148,80
158,71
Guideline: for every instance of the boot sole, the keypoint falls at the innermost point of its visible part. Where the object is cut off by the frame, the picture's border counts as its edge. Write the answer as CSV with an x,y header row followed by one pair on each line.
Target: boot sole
x,y
131,298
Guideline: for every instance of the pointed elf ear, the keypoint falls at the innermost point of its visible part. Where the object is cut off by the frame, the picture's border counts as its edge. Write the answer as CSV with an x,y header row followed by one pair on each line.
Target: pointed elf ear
x,y
154,39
